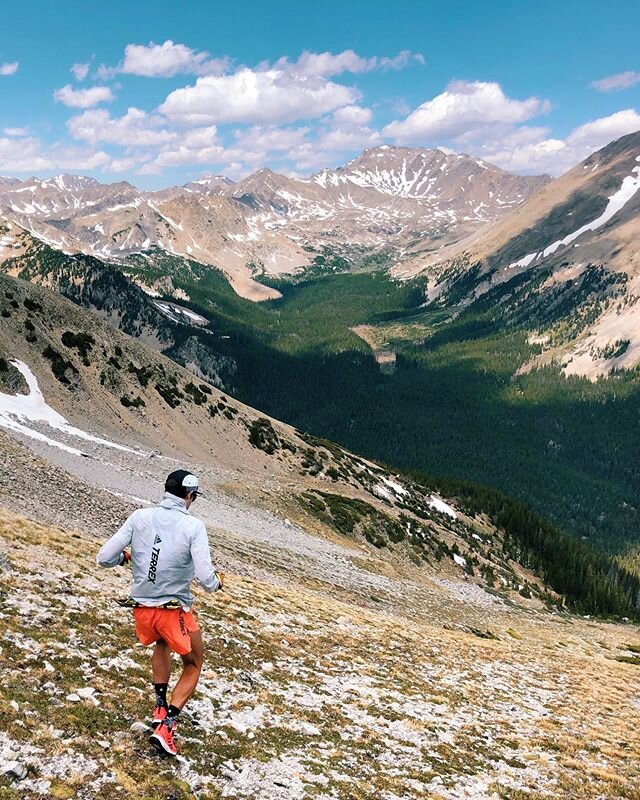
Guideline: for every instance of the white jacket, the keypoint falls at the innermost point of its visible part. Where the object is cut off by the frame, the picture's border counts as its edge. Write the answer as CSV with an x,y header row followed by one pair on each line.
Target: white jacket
x,y
169,548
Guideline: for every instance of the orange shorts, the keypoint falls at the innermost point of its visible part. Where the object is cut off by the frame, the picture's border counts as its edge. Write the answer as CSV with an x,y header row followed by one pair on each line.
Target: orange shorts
x,y
173,625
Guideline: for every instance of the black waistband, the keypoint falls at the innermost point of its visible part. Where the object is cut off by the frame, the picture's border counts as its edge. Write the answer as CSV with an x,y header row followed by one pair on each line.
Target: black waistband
x,y
129,602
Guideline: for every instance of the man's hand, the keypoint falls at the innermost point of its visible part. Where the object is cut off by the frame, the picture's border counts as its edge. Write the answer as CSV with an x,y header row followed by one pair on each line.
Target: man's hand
x,y
220,577
126,558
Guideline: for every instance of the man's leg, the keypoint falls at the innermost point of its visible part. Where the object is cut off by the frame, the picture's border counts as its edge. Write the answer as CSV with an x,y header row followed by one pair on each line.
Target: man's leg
x,y
161,662
161,670
162,738
188,681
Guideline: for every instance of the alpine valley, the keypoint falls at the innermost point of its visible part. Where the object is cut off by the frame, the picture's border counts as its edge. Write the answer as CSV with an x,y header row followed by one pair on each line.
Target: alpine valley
x,y
425,309
409,388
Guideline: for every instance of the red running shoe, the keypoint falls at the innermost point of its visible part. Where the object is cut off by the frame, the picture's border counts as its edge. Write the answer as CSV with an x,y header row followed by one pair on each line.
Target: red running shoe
x,y
162,737
159,715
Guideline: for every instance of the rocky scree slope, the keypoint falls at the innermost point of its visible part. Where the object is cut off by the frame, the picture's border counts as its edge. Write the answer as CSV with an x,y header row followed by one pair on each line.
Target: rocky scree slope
x,y
304,695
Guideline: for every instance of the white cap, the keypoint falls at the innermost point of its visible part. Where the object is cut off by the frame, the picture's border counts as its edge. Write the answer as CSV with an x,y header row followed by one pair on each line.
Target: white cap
x,y
190,482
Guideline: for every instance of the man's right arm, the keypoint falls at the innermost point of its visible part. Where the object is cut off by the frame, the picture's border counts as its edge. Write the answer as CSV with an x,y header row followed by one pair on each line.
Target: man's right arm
x,y
111,554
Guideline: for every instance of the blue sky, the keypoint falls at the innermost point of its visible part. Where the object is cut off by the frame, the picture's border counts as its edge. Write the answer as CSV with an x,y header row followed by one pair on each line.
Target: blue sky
x,y
162,92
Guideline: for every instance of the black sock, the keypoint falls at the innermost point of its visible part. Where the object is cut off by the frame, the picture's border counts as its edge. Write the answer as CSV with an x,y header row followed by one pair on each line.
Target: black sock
x,y
161,693
173,712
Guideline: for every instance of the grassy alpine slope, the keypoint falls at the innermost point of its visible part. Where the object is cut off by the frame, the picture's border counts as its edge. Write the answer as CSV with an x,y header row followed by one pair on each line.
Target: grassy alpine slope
x,y
304,695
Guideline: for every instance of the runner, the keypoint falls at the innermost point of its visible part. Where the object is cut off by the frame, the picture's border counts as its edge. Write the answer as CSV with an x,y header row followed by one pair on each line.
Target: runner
x,y
169,547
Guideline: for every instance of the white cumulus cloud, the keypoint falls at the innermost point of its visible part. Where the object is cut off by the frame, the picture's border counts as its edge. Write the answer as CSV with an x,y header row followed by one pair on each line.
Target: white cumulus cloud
x,y
352,115
28,155
270,96
347,130
254,146
327,64
595,134
269,139
183,155
168,59
83,98
21,155
345,139
128,163
463,108
525,149
136,128
9,68
80,71
612,83
534,150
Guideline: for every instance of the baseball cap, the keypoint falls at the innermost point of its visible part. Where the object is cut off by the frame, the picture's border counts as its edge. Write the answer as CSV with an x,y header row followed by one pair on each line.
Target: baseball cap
x,y
181,482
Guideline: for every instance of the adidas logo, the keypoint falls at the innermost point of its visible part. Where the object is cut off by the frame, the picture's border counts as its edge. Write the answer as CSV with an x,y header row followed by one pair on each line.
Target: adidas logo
x,y
157,540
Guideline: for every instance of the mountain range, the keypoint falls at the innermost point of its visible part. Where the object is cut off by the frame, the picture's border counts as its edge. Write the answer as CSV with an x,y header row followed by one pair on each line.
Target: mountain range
x,y
417,212
401,631
390,200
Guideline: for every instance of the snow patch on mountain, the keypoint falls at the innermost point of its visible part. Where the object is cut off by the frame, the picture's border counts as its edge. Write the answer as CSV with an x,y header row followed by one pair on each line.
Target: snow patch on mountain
x,y
616,202
442,507
16,410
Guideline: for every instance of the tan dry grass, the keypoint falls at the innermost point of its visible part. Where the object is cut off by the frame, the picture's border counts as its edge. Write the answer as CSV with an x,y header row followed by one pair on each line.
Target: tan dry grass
x,y
387,677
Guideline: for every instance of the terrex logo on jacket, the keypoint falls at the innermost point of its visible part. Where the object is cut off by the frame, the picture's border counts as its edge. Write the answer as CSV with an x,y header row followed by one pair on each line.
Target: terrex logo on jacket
x,y
155,552
169,548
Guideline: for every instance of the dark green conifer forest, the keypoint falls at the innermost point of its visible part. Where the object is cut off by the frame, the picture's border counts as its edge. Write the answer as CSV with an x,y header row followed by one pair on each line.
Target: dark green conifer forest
x,y
453,407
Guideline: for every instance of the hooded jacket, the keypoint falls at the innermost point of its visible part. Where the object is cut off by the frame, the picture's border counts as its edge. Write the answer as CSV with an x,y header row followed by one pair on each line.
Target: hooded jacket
x,y
169,547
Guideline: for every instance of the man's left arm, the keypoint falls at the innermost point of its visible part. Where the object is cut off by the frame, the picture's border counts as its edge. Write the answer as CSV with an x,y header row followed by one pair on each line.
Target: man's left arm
x,y
205,573
111,553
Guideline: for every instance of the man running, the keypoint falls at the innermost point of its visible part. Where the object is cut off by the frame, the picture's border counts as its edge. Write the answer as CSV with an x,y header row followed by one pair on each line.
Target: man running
x,y
168,548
